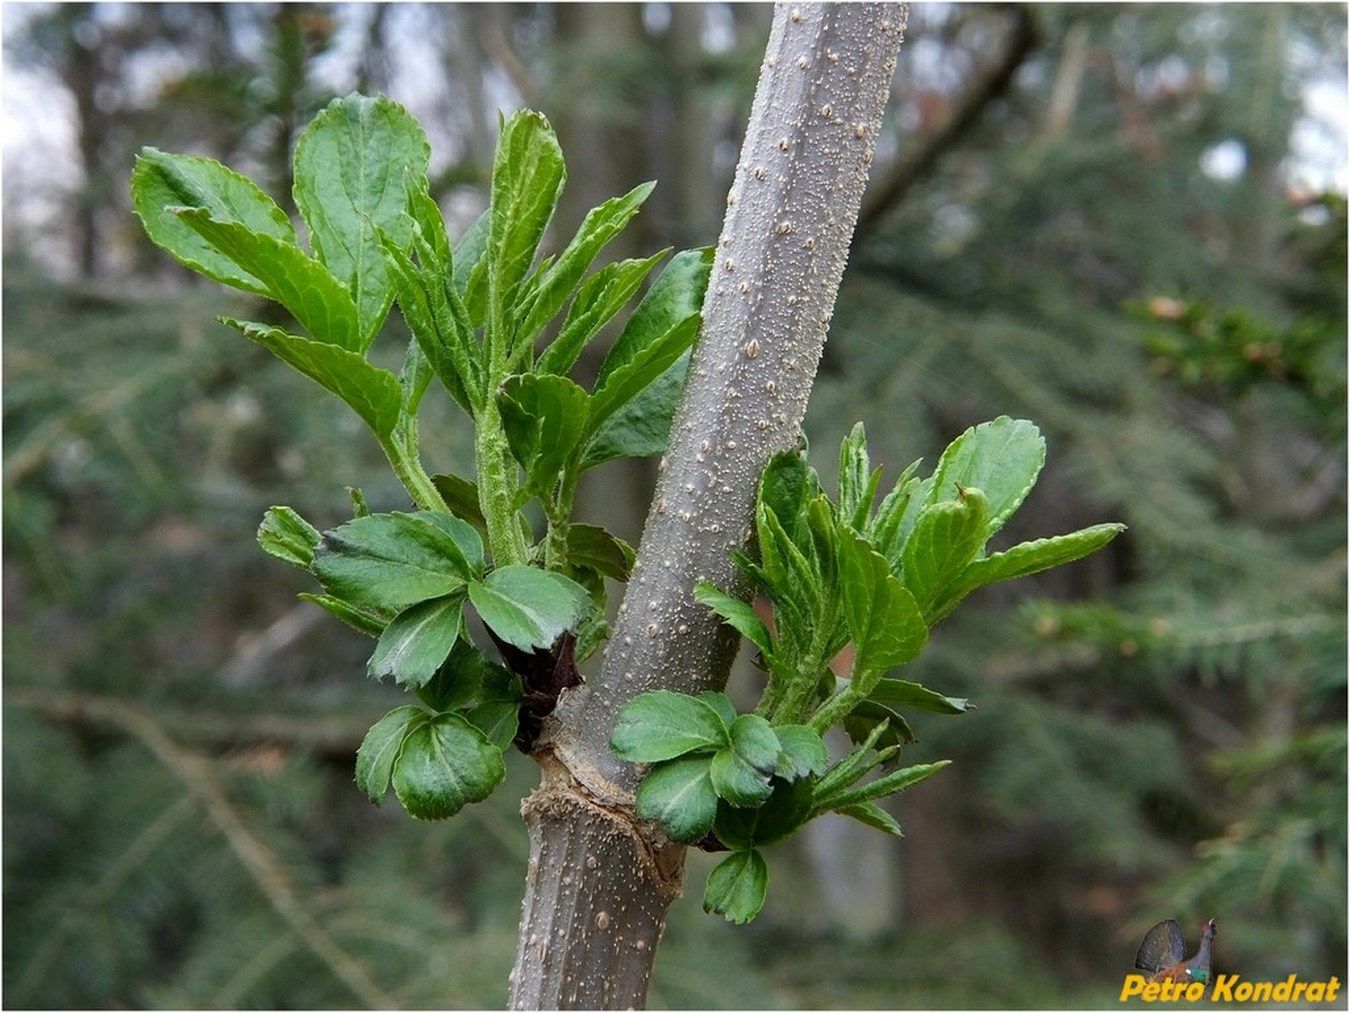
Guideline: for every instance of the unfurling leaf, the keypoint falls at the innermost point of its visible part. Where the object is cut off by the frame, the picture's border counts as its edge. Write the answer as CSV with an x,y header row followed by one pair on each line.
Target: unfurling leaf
x,y
737,887
288,536
662,725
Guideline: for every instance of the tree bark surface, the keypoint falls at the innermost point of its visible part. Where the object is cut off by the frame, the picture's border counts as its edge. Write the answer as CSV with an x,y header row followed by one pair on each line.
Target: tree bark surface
x,y
600,882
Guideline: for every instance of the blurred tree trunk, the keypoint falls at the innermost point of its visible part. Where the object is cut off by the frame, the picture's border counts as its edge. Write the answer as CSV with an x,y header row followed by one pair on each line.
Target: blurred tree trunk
x,y
600,882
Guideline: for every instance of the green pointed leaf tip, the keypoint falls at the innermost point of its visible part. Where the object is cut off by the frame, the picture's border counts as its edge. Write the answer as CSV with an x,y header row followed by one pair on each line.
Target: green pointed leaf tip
x,y
379,749
161,181
1003,458
896,693
662,725
357,619
737,887
352,167
679,795
286,535
444,764
528,607
873,816
416,642
393,560
736,613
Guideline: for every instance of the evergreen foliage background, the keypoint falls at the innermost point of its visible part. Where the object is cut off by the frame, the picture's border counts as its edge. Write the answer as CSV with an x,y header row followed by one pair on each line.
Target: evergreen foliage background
x,y
1121,242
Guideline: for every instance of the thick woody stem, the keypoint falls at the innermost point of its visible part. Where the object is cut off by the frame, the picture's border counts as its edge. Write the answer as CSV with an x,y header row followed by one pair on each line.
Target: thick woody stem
x,y
790,218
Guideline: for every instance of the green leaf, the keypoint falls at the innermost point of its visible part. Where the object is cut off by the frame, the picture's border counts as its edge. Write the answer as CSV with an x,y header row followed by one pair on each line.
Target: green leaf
x,y
785,488
873,815
883,618
662,725
360,508
737,886
393,560
426,214
497,712
527,178
528,607
895,693
416,641
1001,458
755,741
641,428
857,482
736,613
674,297
468,258
352,166
375,758
437,318
884,530
301,284
592,546
373,393
623,384
357,619
544,417
721,703
869,715
288,536
803,752
736,780
895,781
1027,558
461,496
946,538
445,764
679,795
600,225
786,811
161,181
600,297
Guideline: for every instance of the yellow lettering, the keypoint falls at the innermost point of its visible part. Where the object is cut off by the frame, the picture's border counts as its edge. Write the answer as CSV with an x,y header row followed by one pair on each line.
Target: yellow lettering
x,y
1134,984
1223,988
1151,991
1243,992
1195,991
1304,987
1286,990
1261,991
1332,986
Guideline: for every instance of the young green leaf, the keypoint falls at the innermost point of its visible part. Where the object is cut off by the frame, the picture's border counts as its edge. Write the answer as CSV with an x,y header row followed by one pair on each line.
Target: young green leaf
x,y
288,536
600,225
893,693
1022,560
445,764
592,546
303,285
544,417
803,752
737,780
599,298
946,538
755,741
375,758
1001,458
461,496
393,560
897,780
678,794
785,488
497,710
883,619
624,383
721,703
674,297
662,725
788,808
884,530
373,393
640,428
857,482
358,619
736,613
737,887
416,641
352,166
161,181
527,178
528,607
873,815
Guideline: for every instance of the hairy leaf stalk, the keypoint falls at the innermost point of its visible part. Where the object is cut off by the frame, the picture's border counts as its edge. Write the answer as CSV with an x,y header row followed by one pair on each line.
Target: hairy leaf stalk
x,y
599,882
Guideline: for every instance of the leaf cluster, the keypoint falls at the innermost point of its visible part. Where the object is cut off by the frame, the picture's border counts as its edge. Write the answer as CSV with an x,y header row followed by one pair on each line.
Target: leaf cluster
x,y
848,572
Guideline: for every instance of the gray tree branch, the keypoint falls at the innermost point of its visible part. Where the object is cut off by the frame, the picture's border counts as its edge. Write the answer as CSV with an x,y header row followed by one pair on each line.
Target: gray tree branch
x,y
599,883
